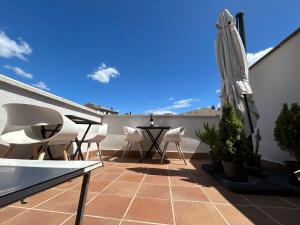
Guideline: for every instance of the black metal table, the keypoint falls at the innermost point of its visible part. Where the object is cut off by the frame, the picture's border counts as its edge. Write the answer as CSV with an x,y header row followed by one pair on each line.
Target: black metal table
x,y
154,139
20,179
79,120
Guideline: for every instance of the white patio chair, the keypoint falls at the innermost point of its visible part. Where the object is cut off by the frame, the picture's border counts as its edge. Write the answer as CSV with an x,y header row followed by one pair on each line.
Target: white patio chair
x,y
174,135
24,123
133,135
96,134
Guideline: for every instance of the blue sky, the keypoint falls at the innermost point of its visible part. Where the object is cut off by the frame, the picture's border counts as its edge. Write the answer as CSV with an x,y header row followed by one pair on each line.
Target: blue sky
x,y
133,55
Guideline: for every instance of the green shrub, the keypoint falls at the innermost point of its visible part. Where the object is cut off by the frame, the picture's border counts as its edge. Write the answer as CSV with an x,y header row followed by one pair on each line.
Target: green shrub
x,y
287,130
209,135
232,142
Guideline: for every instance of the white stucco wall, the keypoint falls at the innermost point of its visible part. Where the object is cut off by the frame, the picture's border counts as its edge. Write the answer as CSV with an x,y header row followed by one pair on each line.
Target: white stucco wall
x,y
275,80
116,138
12,91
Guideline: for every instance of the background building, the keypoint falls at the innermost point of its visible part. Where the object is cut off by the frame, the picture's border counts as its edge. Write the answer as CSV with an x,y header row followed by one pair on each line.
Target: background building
x,y
100,109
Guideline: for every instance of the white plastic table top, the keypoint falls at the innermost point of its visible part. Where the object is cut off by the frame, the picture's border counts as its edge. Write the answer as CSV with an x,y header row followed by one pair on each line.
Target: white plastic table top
x,y
18,174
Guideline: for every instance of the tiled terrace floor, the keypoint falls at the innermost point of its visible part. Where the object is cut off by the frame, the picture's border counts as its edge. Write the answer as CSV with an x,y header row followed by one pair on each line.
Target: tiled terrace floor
x,y
130,193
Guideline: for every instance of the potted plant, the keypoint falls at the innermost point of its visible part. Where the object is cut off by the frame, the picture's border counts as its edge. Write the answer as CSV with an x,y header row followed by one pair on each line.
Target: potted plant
x,y
254,159
232,143
287,133
209,136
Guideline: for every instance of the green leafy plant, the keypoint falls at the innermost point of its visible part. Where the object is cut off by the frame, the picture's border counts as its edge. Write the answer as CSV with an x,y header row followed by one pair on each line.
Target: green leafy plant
x,y
232,142
287,129
209,135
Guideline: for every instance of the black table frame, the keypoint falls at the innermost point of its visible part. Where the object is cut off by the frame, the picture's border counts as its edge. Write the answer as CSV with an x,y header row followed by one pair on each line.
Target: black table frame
x,y
79,120
53,132
154,140
29,191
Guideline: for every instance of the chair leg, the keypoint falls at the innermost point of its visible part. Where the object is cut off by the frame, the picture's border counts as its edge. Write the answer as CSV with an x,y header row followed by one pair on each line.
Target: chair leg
x,y
127,146
88,151
180,152
164,151
7,151
141,149
42,153
66,158
131,142
35,151
100,153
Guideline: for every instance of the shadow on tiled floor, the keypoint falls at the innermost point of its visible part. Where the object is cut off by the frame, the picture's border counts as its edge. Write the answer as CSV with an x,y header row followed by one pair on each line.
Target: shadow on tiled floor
x,y
130,193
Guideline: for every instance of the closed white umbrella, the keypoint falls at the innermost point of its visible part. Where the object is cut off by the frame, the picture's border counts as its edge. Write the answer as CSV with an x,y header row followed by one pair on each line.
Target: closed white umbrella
x,y
233,67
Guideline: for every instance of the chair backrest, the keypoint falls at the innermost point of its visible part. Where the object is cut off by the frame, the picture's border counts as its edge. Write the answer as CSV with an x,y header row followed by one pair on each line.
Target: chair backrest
x,y
28,121
30,115
133,134
176,131
96,132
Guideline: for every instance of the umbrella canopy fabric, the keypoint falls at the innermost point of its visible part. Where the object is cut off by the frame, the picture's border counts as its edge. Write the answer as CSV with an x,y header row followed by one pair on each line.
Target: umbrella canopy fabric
x,y
232,61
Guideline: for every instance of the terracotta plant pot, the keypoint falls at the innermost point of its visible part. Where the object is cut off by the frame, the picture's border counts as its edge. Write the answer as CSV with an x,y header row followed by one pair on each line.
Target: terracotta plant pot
x,y
232,170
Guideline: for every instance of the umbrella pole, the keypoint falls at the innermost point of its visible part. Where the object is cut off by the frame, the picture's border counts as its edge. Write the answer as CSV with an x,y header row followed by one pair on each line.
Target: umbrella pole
x,y
241,28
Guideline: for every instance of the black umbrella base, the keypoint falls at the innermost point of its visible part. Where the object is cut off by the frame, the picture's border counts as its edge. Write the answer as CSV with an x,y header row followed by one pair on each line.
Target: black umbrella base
x,y
266,183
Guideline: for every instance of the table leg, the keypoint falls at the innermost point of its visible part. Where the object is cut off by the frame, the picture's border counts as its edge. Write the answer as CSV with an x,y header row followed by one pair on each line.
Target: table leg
x,y
79,143
82,199
154,144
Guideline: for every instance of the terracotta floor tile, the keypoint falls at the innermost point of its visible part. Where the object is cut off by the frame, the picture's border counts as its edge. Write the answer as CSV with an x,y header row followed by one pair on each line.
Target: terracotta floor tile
x,y
95,185
135,223
206,180
244,215
131,177
34,217
66,202
38,198
106,205
97,171
192,213
115,170
188,193
157,171
150,210
9,212
182,181
293,200
122,188
283,215
154,191
156,179
262,200
107,176
88,220
221,195
69,184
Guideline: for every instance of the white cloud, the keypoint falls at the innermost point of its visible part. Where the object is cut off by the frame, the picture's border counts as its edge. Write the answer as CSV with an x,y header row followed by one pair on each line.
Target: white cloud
x,y
104,73
19,71
171,99
185,103
218,91
10,48
253,57
41,85
219,105
160,112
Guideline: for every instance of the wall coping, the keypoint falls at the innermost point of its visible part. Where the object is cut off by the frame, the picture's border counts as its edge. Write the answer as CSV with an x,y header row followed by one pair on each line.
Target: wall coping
x,y
29,88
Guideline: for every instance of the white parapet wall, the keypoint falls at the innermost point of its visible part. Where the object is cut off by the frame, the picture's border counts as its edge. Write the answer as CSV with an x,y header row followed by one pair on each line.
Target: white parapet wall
x,y
116,138
275,80
12,91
